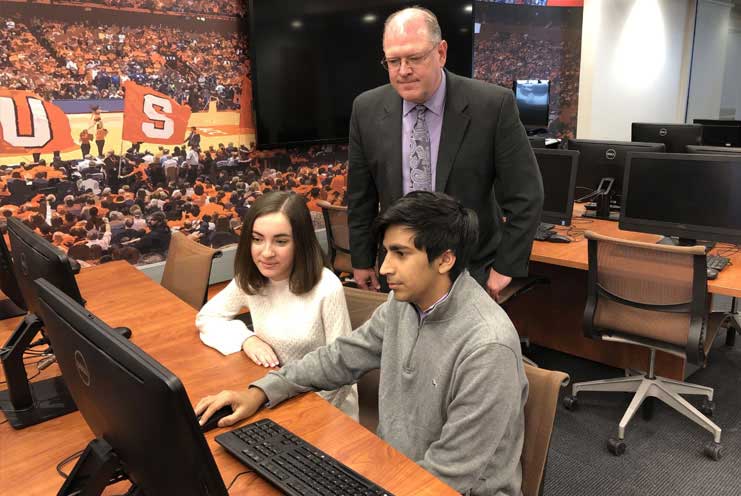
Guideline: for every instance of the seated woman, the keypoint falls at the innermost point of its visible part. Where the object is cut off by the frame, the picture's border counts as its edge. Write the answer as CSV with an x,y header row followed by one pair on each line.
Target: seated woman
x,y
296,303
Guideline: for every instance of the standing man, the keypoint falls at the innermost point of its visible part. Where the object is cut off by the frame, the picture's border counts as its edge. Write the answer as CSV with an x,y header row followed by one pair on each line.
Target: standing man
x,y
432,130
194,139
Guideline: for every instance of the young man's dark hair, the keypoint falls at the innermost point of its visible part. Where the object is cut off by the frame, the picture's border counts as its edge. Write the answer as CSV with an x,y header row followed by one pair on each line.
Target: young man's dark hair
x,y
439,223
308,260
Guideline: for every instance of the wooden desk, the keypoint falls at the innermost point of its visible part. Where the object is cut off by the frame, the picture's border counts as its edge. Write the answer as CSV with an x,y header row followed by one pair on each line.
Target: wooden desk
x,y
558,322
164,327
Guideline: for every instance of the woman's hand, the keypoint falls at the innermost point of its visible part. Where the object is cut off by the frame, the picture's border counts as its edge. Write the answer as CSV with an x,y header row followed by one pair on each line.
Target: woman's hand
x,y
260,352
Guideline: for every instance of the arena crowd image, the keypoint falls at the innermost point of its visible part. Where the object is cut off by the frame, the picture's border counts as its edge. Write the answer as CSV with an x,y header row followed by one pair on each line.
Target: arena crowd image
x,y
99,196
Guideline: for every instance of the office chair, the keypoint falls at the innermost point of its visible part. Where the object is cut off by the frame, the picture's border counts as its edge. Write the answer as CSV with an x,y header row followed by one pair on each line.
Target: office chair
x,y
338,236
514,290
361,304
653,296
188,269
732,323
540,413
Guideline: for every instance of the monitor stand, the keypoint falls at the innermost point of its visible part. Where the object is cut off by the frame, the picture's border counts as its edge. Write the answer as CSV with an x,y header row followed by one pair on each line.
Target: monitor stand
x,y
592,214
25,403
675,241
97,468
8,309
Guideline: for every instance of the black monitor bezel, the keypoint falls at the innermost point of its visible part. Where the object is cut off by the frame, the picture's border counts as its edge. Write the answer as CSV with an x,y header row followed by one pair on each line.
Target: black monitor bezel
x,y
717,122
562,218
71,328
584,165
23,241
713,150
659,125
8,281
693,232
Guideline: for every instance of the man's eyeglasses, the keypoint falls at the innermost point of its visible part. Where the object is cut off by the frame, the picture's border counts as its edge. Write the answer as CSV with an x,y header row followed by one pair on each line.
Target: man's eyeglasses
x,y
394,63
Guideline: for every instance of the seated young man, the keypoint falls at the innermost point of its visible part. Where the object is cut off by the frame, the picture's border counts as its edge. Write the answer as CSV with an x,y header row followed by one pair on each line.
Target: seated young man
x,y
453,389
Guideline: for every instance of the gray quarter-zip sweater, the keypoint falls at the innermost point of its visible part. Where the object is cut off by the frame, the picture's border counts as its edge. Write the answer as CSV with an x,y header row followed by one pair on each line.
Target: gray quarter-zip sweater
x,y
452,387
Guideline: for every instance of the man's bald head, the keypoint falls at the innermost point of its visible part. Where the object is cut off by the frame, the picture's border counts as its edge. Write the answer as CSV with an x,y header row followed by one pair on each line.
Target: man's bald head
x,y
413,19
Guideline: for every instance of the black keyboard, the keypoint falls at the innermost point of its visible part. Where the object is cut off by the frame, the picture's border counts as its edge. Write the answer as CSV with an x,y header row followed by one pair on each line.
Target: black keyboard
x,y
292,464
717,262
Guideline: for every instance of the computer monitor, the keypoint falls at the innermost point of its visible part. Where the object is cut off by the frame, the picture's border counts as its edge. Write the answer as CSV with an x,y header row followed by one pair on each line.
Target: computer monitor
x,y
144,425
717,122
25,403
676,137
14,305
721,135
599,159
532,97
692,197
35,257
714,150
558,170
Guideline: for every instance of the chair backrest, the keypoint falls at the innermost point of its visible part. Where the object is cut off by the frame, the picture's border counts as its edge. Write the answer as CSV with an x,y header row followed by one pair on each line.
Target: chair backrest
x,y
188,269
361,304
338,235
649,294
540,413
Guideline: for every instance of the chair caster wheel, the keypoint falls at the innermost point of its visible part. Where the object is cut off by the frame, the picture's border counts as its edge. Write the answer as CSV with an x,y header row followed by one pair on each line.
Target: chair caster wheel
x,y
713,450
707,407
616,446
570,402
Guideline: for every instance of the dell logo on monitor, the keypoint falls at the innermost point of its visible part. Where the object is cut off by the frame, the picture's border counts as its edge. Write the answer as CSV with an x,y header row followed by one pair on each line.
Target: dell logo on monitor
x,y
82,369
610,154
663,131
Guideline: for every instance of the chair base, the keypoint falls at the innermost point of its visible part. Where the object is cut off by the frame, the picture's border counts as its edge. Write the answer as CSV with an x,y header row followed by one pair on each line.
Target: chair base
x,y
667,390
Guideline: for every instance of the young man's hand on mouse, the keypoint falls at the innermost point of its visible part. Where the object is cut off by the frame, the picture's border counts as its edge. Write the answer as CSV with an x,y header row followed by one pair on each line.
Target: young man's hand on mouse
x,y
243,403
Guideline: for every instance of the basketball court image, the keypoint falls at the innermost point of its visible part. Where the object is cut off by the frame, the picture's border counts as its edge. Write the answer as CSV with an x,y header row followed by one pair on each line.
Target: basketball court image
x,y
214,127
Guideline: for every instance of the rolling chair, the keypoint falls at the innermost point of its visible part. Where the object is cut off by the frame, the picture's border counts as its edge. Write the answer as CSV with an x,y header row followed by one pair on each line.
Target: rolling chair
x,y
514,290
653,296
540,413
188,269
361,304
338,236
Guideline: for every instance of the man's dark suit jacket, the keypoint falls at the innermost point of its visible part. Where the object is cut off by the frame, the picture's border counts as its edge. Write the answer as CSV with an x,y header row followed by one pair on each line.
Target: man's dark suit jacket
x,y
193,140
484,161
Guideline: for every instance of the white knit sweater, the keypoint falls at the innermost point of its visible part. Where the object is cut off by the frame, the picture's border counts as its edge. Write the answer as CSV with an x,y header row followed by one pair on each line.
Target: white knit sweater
x,y
293,325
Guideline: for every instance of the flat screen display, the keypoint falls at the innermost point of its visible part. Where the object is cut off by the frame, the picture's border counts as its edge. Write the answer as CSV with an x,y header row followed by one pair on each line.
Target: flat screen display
x,y
532,101
690,196
558,169
310,59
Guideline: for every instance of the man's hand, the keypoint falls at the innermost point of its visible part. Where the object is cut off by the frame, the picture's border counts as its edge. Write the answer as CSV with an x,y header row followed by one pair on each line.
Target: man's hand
x,y
260,352
366,279
496,283
244,404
